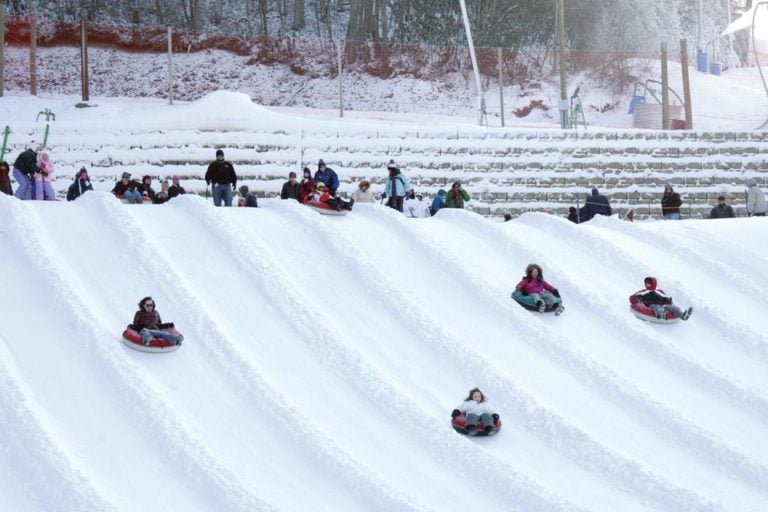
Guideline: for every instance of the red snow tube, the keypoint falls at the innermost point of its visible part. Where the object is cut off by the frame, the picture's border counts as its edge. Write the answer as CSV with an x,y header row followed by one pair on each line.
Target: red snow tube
x,y
132,339
459,424
645,313
324,208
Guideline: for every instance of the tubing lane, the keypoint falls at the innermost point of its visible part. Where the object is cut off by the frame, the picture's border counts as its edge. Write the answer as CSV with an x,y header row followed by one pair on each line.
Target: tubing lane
x,y
204,474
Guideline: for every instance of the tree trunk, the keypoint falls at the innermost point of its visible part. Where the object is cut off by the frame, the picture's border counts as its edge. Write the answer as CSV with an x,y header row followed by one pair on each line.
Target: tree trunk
x,y
217,12
299,19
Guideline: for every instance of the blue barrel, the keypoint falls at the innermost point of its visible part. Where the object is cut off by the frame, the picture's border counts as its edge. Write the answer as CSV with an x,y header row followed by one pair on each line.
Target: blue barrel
x,y
716,68
702,62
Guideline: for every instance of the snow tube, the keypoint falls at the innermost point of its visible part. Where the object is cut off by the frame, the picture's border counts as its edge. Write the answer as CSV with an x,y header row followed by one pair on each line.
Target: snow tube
x,y
459,424
132,339
325,208
645,313
528,303
145,200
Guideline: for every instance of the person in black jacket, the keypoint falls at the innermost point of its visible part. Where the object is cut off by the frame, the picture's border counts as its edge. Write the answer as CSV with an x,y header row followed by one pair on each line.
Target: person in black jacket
x,y
5,179
221,175
657,301
670,203
573,215
290,188
24,169
127,189
80,186
722,210
175,189
146,188
597,204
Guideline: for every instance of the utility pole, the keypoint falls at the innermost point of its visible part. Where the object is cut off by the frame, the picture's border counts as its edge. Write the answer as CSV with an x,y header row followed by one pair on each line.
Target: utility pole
x,y
170,65
563,79
686,84
664,89
501,85
84,56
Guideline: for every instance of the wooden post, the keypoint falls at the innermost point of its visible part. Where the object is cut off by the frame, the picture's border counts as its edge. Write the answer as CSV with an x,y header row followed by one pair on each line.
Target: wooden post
x,y
686,84
664,88
341,79
33,51
84,57
501,86
2,48
170,65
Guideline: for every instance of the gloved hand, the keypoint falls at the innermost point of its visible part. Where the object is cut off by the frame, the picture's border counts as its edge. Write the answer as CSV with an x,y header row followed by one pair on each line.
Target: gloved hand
x,y
455,413
383,195
668,300
556,293
234,187
495,417
207,183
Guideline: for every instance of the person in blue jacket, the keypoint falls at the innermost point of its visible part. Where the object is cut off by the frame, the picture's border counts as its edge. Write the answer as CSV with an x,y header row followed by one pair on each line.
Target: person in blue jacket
x,y
395,187
438,202
327,176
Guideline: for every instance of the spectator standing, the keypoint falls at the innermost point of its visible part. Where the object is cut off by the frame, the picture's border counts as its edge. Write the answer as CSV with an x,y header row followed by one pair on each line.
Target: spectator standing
x,y
414,206
363,194
395,187
670,203
327,176
438,202
24,170
307,185
247,198
291,188
456,197
222,178
722,210
5,179
755,199
175,189
597,204
80,186
43,179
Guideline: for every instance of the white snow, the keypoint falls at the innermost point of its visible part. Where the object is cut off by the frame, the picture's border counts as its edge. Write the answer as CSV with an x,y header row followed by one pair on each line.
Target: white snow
x,y
322,356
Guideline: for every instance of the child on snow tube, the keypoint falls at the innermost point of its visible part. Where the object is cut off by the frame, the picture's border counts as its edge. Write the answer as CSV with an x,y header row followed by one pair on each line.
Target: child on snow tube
x,y
477,410
149,325
535,292
657,301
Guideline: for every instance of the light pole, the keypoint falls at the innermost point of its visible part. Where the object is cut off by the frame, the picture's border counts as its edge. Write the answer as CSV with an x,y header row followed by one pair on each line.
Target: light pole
x,y
480,96
563,106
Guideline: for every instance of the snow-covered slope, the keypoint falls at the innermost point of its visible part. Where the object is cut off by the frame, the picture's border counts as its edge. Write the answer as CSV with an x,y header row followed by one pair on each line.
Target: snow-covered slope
x,y
322,358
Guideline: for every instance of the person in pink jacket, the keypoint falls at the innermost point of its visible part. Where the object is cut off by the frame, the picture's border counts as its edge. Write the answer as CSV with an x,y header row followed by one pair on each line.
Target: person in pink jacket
x,y
43,186
534,285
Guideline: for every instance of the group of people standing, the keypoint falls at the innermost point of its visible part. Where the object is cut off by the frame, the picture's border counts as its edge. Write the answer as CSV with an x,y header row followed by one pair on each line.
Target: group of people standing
x,y
32,176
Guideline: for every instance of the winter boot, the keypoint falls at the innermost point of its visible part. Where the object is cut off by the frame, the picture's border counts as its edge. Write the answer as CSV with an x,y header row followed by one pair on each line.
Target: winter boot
x,y
488,429
541,305
471,430
559,310
146,337
179,339
687,313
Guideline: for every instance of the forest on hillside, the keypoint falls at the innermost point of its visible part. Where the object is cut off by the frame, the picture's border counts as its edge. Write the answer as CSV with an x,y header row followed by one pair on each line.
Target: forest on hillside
x,y
591,25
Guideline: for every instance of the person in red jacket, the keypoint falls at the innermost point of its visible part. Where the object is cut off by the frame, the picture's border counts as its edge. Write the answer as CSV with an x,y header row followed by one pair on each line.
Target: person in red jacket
x,y
307,185
658,301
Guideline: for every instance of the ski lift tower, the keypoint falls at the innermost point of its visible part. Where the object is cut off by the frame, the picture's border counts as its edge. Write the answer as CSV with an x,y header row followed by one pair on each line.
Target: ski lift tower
x,y
480,95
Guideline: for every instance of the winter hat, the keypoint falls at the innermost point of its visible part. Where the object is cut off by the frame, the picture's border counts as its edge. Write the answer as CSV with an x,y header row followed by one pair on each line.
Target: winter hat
x,y
456,184
650,282
306,171
320,185
320,163
244,190
146,177
751,182
721,198
175,177
83,170
595,192
391,164
291,174
126,176
441,192
219,152
668,186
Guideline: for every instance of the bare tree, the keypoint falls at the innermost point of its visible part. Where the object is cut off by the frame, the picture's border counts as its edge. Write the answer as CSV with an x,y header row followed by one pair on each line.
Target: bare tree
x,y
299,19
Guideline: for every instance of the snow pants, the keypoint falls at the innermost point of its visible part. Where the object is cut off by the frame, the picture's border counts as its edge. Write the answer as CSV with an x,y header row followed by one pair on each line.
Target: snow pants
x,y
486,419
24,191
547,296
44,190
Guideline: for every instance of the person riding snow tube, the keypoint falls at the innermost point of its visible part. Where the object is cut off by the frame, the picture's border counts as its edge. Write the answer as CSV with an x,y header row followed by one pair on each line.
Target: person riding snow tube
x,y
148,333
475,417
323,202
653,305
535,294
